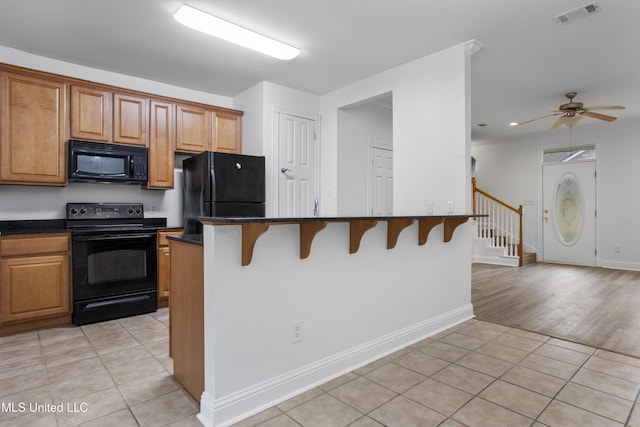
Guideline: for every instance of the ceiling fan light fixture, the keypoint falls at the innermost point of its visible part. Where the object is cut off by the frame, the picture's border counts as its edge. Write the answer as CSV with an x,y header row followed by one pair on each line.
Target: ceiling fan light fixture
x,y
570,120
217,27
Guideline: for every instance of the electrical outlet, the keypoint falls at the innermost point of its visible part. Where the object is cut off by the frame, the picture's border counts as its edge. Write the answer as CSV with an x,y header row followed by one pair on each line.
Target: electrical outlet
x,y
296,333
450,208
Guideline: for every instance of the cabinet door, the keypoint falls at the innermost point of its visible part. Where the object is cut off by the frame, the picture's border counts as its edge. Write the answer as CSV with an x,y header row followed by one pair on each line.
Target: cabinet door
x,y
130,119
193,129
161,144
227,132
164,273
34,287
32,131
91,116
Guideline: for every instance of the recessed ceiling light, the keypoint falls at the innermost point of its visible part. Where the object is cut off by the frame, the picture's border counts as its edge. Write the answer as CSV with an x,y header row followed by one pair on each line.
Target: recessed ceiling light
x,y
214,26
513,124
481,125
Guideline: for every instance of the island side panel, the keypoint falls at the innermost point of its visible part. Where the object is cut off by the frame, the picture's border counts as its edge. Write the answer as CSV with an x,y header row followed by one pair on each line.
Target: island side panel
x,y
186,316
353,308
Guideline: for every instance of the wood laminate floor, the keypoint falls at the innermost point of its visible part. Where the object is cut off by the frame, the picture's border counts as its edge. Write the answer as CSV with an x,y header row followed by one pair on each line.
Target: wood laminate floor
x,y
598,307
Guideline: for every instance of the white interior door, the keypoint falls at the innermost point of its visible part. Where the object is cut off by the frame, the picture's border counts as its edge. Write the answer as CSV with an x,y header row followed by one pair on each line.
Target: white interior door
x,y
381,181
298,181
569,213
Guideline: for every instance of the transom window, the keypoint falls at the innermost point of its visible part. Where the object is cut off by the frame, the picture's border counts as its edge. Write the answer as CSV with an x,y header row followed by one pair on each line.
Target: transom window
x,y
569,154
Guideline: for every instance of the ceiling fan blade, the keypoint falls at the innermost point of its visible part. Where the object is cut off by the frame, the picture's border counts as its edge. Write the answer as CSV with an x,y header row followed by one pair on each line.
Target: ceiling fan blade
x,y
605,107
557,123
538,118
598,116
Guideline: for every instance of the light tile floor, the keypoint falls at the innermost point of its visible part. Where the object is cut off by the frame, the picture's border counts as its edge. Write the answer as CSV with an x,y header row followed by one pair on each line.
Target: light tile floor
x,y
118,373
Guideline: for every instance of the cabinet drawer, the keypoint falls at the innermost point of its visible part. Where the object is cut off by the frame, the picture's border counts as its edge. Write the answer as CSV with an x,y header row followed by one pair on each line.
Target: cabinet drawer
x,y
162,236
34,244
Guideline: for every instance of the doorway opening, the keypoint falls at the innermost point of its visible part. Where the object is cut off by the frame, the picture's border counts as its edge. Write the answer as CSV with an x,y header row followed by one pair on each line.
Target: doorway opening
x,y
362,126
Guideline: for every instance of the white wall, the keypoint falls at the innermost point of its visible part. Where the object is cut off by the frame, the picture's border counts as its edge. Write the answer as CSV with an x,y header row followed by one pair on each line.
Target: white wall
x,y
357,128
430,132
40,202
512,172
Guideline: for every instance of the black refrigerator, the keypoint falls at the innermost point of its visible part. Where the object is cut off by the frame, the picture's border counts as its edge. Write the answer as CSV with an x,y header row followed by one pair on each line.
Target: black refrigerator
x,y
222,185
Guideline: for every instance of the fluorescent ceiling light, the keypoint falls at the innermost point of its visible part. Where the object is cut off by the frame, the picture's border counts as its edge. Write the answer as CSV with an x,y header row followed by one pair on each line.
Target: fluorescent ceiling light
x,y
209,24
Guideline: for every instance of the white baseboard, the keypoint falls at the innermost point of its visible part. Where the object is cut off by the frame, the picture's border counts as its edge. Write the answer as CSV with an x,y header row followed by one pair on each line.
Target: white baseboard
x,y
621,265
496,260
235,407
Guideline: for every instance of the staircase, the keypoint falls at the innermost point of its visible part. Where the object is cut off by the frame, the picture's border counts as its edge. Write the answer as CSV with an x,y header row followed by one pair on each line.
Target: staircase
x,y
498,236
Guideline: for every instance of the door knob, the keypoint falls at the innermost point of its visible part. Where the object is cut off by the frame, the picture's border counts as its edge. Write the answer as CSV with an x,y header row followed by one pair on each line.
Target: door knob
x,y
546,211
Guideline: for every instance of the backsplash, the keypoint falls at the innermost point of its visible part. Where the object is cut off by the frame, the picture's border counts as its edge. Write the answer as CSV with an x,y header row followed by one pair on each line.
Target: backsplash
x,y
20,202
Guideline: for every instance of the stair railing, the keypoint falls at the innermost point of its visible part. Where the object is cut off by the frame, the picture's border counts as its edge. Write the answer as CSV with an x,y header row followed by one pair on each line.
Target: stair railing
x,y
503,223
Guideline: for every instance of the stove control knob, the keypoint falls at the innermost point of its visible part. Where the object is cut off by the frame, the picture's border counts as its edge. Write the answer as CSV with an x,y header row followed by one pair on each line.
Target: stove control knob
x,y
130,210
73,211
83,211
138,211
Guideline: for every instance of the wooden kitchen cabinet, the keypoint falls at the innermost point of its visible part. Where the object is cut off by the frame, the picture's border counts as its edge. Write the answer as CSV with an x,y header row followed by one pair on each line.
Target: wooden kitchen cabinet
x,y
130,119
35,287
33,130
227,131
91,115
193,128
164,266
161,144
103,115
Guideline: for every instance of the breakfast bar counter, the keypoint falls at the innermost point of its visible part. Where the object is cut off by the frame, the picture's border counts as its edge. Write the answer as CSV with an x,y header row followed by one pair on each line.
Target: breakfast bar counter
x,y
289,303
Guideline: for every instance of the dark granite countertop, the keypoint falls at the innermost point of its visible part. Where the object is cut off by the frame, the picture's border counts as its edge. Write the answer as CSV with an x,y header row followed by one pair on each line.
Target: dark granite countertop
x,y
246,220
194,239
32,226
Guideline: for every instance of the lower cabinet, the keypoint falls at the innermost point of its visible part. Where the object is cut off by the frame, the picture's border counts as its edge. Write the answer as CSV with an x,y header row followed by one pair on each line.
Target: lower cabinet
x,y
35,286
164,266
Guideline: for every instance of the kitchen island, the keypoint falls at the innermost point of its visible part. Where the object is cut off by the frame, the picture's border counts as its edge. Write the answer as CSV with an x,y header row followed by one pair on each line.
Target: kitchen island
x,y
289,303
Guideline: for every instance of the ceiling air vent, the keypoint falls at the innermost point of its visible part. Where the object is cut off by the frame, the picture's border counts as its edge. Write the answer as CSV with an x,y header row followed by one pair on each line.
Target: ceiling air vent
x,y
577,13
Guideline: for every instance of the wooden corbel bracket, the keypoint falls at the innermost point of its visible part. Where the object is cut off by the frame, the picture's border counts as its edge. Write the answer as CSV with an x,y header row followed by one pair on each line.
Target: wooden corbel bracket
x,y
250,234
394,227
357,228
308,231
424,227
450,225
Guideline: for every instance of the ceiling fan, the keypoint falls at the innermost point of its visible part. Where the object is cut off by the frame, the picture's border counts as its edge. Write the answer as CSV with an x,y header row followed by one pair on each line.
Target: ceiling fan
x,y
572,112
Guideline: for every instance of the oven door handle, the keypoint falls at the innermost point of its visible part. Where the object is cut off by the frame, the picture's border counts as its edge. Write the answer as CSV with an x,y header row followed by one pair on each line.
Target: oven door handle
x,y
103,237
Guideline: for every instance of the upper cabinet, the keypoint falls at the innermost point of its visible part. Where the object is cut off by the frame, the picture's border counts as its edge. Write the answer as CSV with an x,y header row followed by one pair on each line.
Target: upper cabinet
x,y
91,116
39,112
200,129
103,115
33,133
161,144
227,131
130,119
193,128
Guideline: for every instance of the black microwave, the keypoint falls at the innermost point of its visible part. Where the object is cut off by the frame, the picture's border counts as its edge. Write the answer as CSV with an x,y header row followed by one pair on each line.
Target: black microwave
x,y
97,161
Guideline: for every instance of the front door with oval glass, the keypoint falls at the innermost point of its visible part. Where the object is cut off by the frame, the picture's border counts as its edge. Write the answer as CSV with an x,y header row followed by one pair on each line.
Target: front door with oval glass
x,y
569,213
